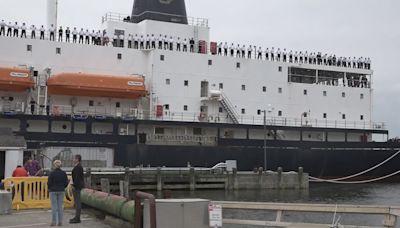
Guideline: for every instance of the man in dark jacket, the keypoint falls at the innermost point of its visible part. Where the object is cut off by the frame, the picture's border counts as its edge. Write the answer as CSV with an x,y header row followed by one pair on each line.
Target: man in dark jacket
x,y
78,184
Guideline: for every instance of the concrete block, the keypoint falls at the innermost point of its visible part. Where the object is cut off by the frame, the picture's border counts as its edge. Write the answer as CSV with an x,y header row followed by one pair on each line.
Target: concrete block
x,y
5,202
179,213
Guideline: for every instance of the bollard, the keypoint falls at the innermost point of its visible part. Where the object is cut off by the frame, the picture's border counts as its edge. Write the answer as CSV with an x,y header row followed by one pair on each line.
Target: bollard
x,y
159,180
105,185
279,171
88,178
300,175
192,179
124,189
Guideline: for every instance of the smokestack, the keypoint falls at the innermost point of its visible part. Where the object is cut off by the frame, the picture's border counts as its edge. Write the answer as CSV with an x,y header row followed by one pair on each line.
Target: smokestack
x,y
52,6
159,10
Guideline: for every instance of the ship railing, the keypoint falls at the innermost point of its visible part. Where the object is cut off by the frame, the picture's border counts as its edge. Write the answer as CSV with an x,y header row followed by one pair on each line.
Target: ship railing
x,y
181,139
118,17
134,113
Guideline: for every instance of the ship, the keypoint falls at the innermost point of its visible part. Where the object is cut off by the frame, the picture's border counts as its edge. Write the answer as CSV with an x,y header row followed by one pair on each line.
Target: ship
x,y
156,91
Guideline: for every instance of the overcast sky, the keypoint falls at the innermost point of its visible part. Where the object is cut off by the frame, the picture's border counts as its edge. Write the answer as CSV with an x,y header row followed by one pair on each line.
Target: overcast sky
x,y
342,27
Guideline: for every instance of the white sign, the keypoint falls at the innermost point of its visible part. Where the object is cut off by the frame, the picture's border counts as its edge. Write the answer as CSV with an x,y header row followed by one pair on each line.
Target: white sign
x,y
132,83
215,215
19,75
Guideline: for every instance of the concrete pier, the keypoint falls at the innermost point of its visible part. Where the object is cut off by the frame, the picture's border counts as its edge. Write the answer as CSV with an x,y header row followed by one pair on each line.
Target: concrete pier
x,y
191,179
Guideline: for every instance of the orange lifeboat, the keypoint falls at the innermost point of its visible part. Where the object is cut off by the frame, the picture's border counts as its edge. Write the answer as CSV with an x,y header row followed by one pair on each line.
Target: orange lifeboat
x,y
92,85
15,79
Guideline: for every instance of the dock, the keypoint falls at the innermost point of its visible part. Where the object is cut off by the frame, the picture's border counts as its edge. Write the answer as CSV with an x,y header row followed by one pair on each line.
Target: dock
x,y
191,179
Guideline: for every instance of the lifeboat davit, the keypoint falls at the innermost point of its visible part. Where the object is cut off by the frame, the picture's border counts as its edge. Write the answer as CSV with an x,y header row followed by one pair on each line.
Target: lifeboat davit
x,y
93,85
15,79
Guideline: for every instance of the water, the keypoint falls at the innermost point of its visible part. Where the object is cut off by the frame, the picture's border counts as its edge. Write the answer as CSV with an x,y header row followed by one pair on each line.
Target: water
x,y
369,194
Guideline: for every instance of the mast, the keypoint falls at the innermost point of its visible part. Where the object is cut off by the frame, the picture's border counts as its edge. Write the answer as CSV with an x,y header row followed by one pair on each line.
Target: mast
x,y
52,7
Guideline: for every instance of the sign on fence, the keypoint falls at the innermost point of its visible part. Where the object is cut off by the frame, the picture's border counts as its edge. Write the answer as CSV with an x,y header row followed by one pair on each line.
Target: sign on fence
x,y
215,215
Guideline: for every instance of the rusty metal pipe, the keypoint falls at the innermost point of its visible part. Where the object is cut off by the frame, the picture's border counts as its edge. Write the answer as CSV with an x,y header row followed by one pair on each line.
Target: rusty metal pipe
x,y
139,210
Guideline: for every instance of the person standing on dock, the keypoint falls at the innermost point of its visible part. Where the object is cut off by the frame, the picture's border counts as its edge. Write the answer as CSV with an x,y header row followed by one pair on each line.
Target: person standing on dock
x,y
57,182
77,185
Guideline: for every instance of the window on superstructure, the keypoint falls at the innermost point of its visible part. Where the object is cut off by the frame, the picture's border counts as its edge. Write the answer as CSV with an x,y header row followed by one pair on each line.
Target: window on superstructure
x,y
58,51
243,87
258,112
301,75
209,62
220,109
186,83
162,57
344,116
221,85
361,96
28,47
343,94
238,65
168,81
35,73
325,115
119,56
118,105
279,113
185,108
324,93
305,92
279,90
243,111
280,69
362,117
166,107
159,131
91,103
264,89
197,131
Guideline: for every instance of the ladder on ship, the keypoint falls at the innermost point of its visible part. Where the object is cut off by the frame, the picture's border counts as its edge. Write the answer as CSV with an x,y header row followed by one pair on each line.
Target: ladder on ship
x,y
41,91
229,108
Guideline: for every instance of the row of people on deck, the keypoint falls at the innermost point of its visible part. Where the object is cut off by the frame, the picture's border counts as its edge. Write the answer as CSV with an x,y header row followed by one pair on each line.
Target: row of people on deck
x,y
185,44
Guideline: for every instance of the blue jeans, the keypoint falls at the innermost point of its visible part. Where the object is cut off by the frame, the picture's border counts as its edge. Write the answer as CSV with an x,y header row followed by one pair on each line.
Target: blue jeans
x,y
57,203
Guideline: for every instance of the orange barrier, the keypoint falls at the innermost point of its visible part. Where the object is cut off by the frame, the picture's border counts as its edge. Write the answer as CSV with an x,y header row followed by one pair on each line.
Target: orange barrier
x,y
32,193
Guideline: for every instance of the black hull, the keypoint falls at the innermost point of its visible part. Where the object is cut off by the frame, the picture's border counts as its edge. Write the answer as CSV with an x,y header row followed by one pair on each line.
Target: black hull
x,y
322,163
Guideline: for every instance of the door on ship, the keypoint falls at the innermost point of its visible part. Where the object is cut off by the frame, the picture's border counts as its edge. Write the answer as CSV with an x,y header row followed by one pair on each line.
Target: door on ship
x,y
204,89
2,164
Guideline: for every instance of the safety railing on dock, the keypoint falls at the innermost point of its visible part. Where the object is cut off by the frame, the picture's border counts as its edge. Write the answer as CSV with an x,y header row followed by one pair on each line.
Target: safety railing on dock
x,y
33,193
388,214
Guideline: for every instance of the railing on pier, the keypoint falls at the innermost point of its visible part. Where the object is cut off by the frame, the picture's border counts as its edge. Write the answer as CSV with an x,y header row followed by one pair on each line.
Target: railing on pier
x,y
193,21
33,193
388,214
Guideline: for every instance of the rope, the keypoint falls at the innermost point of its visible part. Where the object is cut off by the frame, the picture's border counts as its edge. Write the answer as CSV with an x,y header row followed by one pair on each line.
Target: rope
x,y
340,180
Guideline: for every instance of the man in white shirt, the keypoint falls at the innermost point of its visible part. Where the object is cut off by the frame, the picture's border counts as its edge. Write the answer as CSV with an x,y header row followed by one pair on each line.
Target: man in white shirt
x,y
259,53
130,38
23,30
52,31
178,44
136,42
93,37
232,49
284,54
166,44
278,54
42,31
160,41
243,50
249,51
141,42
81,36
226,49
60,34
272,53
33,31
9,29
237,49
185,45
16,29
74,35
2,28
87,36
171,43
153,41
121,40
267,54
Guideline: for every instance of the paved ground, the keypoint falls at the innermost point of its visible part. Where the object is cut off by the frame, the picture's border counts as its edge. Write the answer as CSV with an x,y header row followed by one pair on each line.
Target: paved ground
x,y
42,218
